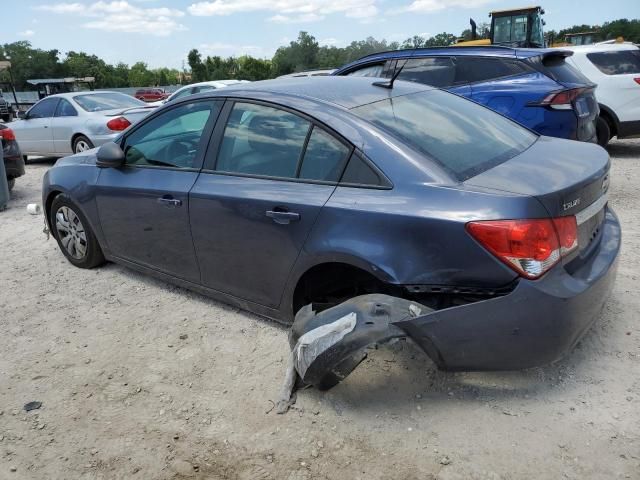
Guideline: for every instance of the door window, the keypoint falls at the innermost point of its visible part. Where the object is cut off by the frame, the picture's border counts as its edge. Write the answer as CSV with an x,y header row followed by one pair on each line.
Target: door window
x,y
435,71
616,63
368,71
324,157
479,69
171,139
65,109
44,109
261,140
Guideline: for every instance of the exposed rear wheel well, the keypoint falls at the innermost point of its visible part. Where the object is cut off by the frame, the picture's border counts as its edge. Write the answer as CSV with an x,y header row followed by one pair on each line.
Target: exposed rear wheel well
x,y
607,116
47,205
329,284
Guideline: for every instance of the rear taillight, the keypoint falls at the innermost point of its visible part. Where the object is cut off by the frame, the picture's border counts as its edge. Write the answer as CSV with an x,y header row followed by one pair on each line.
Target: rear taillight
x,y
562,100
118,124
637,80
7,134
530,247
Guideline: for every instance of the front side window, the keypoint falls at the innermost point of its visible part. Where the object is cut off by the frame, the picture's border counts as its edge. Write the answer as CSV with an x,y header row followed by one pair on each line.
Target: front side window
x,y
463,137
261,140
181,94
434,71
44,109
171,139
65,109
98,102
620,62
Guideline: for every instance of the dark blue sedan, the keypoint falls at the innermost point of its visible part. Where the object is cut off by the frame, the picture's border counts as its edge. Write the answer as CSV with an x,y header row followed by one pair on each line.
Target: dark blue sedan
x,y
279,194
535,87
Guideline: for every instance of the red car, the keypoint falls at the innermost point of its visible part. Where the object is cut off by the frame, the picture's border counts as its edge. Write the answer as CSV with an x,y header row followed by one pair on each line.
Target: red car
x,y
151,94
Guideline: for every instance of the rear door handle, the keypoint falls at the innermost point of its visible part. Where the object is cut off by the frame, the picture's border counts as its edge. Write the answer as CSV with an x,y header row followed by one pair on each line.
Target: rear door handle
x,y
283,218
169,201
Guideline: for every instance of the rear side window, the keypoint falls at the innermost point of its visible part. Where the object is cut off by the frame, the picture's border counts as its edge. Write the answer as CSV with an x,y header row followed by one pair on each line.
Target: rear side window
x,y
435,71
368,71
462,136
558,69
324,157
261,140
479,69
616,63
65,109
359,172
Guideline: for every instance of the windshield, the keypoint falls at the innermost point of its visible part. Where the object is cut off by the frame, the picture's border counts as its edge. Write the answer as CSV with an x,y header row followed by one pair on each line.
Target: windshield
x,y
97,102
462,136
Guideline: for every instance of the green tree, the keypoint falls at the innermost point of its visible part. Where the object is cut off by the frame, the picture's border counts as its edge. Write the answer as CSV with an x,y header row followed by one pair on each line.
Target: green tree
x,y
198,69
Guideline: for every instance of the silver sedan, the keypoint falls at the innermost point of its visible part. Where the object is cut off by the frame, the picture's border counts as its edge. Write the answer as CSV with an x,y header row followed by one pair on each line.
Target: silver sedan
x,y
68,123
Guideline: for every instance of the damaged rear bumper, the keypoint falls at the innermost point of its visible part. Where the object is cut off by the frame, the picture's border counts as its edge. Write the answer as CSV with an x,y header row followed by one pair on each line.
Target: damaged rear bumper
x,y
537,323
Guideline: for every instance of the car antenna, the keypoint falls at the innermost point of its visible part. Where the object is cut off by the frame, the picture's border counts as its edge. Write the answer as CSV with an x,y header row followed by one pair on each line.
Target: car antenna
x,y
396,73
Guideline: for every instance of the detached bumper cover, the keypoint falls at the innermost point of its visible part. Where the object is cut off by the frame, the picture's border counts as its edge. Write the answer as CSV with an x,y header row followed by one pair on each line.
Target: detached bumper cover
x,y
536,324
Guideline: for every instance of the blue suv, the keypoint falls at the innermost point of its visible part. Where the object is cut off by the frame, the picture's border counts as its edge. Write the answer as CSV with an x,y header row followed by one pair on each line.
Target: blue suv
x,y
534,87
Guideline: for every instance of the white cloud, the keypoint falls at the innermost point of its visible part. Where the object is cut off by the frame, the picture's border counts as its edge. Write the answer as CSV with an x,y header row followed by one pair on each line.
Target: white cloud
x,y
288,11
121,16
428,6
27,33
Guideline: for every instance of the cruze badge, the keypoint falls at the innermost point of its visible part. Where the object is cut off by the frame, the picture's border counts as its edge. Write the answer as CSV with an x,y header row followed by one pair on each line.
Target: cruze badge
x,y
571,204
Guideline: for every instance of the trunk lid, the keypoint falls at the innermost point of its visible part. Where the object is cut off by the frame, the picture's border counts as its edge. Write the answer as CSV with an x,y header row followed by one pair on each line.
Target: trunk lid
x,y
568,178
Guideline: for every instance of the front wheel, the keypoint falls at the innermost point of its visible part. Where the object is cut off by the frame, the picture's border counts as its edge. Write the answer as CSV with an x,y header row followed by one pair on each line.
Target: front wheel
x,y
603,131
81,144
73,234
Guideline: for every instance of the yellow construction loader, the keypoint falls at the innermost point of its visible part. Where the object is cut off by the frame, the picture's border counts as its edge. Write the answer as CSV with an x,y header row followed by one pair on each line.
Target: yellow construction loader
x,y
518,27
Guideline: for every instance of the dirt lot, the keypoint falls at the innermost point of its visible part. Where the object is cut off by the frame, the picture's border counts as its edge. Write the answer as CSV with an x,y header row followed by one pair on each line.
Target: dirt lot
x,y
139,379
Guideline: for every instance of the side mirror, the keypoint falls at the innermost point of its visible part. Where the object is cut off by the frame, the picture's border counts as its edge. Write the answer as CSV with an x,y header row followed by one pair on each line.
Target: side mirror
x,y
110,155
23,115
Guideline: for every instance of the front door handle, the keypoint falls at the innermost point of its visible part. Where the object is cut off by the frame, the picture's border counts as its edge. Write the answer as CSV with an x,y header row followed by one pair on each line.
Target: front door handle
x,y
283,218
169,201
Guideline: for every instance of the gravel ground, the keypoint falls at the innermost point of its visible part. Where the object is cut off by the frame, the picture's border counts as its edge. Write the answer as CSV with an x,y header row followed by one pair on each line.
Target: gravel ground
x,y
140,379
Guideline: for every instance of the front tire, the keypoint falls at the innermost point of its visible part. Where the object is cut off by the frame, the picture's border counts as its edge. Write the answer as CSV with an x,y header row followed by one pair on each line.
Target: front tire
x,y
73,234
82,144
603,130
11,182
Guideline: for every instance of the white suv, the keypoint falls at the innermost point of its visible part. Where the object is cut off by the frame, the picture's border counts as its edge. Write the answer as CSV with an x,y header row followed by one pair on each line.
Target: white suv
x,y
616,70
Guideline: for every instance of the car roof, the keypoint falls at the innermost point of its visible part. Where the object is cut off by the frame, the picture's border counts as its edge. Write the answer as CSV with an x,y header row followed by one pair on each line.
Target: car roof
x,y
483,51
81,92
606,47
345,92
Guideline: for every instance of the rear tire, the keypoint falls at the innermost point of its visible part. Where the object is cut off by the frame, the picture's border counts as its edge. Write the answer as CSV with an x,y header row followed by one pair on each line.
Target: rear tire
x,y
73,233
25,158
11,182
603,130
82,144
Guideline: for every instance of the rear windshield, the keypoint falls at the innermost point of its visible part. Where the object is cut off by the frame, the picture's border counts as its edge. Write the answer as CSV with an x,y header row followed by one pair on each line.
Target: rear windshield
x,y
97,102
462,136
616,63
557,68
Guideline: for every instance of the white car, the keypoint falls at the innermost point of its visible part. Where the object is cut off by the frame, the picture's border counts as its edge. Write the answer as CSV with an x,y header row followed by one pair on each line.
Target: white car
x,y
615,68
309,73
197,88
67,123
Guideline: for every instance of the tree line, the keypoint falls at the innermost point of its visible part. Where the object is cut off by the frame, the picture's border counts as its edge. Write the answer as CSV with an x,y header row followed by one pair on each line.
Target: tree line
x,y
304,53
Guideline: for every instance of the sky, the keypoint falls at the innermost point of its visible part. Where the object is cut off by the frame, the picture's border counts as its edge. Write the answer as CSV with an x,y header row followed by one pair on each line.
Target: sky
x,y
161,32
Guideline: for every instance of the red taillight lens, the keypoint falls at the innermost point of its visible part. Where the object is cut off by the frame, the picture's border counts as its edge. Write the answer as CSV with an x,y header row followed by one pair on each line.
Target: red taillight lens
x,y
7,134
562,99
637,80
118,124
530,247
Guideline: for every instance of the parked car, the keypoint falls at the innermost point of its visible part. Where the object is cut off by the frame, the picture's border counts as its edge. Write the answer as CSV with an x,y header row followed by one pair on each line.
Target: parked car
x,y
615,68
151,94
309,73
13,162
73,122
198,88
275,195
535,87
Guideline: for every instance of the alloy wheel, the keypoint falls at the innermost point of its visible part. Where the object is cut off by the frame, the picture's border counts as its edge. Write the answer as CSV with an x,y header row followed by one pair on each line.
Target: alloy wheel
x,y
82,145
71,232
